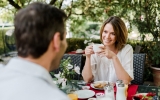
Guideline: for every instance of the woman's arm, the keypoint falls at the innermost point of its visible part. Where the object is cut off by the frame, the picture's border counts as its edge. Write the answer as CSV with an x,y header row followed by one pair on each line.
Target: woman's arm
x,y
87,71
119,69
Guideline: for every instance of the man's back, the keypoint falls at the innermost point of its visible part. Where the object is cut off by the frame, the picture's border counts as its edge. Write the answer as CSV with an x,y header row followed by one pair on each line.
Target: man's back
x,y
23,80
40,36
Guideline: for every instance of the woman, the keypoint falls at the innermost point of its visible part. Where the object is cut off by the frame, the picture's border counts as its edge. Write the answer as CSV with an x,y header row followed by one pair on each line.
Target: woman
x,y
115,60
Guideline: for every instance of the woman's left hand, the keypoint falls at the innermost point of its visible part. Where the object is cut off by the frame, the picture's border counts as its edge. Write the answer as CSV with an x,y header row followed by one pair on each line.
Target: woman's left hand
x,y
106,52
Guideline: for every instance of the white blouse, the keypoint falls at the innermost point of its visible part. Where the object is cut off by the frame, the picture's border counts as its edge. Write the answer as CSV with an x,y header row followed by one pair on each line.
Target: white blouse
x,y
103,68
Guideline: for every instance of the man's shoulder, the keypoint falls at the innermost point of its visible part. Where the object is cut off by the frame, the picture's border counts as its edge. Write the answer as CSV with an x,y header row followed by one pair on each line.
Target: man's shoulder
x,y
31,90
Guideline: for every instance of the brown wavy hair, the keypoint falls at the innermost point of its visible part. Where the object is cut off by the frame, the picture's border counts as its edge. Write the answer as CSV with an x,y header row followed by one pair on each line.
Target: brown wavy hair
x,y
120,31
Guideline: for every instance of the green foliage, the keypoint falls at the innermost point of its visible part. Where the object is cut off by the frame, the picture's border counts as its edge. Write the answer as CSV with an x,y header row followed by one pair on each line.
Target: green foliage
x,y
146,16
154,53
3,48
66,73
81,11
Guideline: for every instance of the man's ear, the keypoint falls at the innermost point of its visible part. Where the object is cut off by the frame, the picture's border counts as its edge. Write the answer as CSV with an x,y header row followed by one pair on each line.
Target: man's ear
x,y
56,42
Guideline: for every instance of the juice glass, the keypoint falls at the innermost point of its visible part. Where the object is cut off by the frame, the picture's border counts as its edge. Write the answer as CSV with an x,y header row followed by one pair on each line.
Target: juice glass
x,y
73,96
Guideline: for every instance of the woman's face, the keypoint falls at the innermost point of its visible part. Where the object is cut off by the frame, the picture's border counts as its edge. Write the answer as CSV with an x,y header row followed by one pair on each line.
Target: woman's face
x,y
108,35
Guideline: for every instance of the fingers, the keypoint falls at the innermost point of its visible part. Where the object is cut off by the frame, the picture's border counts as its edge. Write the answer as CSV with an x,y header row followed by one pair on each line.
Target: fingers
x,y
89,50
101,54
102,47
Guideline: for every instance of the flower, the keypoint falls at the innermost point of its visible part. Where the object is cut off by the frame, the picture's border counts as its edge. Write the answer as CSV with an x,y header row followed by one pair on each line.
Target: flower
x,y
67,72
87,41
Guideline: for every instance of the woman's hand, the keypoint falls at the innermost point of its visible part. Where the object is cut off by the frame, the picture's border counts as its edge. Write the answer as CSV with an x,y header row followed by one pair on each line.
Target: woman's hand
x,y
89,50
107,53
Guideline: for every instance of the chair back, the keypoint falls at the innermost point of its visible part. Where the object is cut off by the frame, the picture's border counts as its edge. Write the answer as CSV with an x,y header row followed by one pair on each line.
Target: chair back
x,y
137,49
75,59
138,68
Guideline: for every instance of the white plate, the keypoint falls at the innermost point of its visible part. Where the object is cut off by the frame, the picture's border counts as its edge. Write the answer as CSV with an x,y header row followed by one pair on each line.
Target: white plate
x,y
100,82
79,51
144,94
84,94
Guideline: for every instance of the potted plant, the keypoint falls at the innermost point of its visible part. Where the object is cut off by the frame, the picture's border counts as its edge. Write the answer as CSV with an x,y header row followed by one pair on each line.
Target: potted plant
x,y
154,56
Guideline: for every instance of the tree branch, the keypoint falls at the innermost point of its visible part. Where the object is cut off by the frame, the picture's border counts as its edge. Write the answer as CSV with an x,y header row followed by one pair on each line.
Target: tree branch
x,y
61,4
15,5
70,12
52,2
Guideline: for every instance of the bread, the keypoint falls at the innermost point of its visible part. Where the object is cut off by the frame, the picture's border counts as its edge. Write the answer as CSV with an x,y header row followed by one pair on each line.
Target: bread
x,y
99,84
96,85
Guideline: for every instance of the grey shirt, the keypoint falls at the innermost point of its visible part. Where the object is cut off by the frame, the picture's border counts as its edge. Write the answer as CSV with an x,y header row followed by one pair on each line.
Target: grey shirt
x,y
24,80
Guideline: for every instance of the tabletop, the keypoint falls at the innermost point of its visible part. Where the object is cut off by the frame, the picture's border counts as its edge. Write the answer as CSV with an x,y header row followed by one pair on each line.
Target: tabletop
x,y
132,89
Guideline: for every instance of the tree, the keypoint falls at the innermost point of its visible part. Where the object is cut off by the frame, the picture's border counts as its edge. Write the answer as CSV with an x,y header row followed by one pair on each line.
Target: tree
x,y
80,11
147,17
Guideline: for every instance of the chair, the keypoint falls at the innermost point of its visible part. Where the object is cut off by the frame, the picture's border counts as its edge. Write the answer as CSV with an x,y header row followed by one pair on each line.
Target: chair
x,y
75,59
138,68
137,49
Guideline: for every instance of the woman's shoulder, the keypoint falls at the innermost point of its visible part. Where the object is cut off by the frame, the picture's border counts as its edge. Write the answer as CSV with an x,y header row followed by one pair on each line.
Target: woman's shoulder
x,y
127,48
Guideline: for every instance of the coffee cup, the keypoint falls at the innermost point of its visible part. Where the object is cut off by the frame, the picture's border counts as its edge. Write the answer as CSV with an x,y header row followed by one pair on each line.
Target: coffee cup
x,y
96,47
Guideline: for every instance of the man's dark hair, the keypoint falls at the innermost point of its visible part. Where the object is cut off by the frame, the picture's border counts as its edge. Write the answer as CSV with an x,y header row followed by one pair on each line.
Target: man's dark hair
x,y
35,27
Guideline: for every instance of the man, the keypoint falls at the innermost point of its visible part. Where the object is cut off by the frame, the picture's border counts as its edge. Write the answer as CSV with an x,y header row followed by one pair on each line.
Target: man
x,y
41,42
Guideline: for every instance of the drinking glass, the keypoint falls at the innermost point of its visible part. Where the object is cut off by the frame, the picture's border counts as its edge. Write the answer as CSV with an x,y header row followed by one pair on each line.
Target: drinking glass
x,y
73,96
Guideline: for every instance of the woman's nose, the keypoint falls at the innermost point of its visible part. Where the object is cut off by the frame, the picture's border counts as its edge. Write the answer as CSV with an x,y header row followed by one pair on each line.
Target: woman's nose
x,y
107,35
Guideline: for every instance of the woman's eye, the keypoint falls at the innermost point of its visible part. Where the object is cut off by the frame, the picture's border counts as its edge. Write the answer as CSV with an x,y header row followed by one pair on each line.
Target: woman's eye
x,y
113,33
105,31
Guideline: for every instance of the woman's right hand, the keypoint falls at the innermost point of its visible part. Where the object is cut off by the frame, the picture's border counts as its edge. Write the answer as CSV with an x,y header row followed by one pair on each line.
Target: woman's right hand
x,y
89,50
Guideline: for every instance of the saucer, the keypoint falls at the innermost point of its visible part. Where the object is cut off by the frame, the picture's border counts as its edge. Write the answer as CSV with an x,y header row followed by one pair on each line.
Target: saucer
x,y
79,51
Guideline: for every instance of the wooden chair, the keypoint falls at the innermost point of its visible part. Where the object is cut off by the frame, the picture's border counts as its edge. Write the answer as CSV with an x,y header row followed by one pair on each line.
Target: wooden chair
x,y
138,68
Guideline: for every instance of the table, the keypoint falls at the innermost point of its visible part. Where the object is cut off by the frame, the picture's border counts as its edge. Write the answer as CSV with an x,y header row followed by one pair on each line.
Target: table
x,y
145,88
132,89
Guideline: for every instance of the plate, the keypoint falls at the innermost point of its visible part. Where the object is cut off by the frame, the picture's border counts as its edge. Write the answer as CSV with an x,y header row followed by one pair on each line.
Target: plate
x,y
139,96
79,51
145,96
84,94
101,82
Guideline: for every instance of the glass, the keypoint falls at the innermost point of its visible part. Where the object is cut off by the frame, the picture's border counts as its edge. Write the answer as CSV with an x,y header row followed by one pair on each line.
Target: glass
x,y
109,92
100,96
73,96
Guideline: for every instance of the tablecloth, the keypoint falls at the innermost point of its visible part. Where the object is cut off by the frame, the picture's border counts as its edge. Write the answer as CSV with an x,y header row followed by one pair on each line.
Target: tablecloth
x,y
74,52
132,89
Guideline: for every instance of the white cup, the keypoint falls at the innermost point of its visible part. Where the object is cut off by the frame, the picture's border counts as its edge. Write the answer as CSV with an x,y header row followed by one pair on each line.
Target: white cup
x,y
96,47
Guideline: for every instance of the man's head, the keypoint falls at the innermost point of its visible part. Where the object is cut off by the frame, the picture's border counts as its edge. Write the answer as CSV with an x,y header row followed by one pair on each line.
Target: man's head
x,y
36,28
